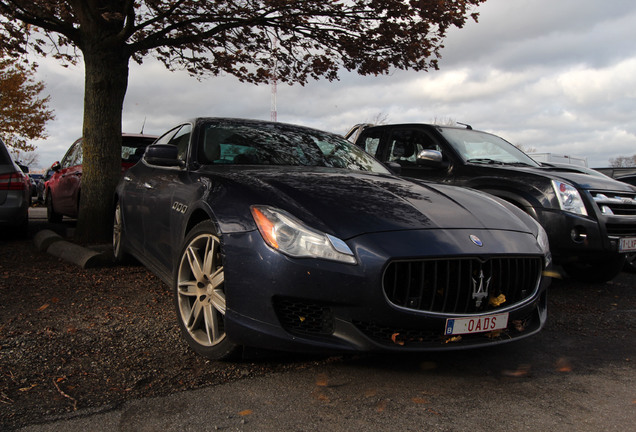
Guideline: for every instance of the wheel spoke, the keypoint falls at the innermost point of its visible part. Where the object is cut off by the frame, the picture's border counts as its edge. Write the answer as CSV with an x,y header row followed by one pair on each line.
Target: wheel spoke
x,y
218,300
195,263
211,324
188,288
209,261
195,315
217,279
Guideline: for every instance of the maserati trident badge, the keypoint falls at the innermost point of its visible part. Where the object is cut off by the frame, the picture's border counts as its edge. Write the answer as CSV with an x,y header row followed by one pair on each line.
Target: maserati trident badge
x,y
480,290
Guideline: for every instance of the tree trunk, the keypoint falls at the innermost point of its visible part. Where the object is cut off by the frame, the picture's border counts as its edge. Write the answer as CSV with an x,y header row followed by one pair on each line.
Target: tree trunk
x,y
106,81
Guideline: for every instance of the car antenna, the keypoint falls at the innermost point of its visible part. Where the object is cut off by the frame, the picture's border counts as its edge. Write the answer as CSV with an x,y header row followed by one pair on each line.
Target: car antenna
x,y
143,125
469,127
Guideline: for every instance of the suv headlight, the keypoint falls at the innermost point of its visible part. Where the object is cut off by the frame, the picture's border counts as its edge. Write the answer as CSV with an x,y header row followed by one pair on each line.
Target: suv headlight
x,y
569,198
285,233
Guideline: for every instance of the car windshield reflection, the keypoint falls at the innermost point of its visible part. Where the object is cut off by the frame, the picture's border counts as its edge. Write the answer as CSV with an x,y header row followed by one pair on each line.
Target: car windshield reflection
x,y
281,145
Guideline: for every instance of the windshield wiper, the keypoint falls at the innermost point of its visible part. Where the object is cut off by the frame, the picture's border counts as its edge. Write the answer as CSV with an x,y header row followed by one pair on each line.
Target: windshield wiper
x,y
485,161
517,164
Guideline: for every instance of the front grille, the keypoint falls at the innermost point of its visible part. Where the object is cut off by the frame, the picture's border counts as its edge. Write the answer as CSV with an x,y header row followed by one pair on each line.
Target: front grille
x,y
619,230
463,285
615,203
304,317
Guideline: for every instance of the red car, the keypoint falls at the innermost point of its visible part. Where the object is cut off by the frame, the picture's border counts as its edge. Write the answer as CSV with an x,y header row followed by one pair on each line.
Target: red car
x,y
62,190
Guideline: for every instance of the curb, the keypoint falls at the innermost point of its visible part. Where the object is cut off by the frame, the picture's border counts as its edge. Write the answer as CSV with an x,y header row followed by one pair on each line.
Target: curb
x,y
52,243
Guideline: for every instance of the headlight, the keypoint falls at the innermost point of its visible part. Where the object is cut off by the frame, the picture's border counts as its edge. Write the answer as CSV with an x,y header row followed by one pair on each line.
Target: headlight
x,y
285,233
569,198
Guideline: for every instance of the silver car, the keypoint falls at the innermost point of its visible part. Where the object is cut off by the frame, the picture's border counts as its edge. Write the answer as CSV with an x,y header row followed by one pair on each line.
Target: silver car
x,y
15,193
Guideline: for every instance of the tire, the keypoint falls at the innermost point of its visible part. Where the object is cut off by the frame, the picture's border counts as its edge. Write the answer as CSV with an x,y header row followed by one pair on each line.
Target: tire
x,y
630,263
598,271
51,215
119,254
199,294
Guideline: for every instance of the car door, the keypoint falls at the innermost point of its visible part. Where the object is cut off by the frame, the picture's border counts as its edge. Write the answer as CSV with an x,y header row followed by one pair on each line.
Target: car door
x,y
166,200
65,183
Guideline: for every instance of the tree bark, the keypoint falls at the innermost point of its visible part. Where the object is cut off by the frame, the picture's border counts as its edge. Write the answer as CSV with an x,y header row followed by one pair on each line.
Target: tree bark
x,y
106,82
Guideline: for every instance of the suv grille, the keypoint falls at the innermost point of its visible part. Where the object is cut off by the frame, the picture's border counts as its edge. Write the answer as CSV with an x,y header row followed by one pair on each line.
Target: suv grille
x,y
615,203
453,285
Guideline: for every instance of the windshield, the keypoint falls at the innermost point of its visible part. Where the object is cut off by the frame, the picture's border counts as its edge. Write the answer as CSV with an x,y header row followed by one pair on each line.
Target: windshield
x,y
255,143
481,147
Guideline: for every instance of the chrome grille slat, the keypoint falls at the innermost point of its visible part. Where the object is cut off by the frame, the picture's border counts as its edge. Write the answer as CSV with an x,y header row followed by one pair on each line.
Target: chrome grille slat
x,y
448,285
620,203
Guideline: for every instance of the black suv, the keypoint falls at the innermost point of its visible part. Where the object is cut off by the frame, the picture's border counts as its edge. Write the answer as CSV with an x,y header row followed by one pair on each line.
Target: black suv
x,y
590,220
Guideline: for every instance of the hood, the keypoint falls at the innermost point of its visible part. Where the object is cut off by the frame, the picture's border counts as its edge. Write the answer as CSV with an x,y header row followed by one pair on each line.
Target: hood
x,y
347,204
574,176
586,181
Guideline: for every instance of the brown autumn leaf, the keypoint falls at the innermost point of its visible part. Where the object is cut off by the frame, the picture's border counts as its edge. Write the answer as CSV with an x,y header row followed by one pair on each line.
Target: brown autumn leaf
x,y
44,306
394,338
322,381
245,412
563,365
521,371
419,400
25,389
381,406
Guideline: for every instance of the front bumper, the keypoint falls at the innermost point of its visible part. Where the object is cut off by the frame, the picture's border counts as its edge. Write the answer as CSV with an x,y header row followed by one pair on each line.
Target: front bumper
x,y
314,305
574,237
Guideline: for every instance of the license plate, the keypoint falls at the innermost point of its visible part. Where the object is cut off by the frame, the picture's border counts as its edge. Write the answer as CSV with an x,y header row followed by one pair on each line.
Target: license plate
x,y
478,324
627,244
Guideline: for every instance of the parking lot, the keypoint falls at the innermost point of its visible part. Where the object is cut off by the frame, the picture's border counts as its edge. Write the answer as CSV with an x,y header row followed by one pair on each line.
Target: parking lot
x,y
99,349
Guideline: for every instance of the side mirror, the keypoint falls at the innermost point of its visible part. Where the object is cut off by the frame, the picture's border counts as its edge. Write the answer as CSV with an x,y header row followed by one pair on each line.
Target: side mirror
x,y
432,158
162,155
56,166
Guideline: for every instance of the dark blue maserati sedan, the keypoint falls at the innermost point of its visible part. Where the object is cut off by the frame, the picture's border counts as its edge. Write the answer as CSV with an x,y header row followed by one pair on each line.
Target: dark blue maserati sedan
x,y
289,238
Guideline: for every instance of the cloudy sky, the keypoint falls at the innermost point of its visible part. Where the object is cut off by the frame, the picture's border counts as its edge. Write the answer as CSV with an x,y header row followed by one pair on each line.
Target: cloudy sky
x,y
554,76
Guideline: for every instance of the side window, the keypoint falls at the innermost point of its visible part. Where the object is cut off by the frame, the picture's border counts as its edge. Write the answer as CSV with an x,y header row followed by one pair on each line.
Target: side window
x,y
179,137
369,142
402,148
405,145
165,138
73,156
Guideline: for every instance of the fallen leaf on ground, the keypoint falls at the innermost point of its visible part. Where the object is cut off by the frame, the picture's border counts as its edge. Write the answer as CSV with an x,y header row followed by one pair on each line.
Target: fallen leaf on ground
x,y
381,406
522,370
24,389
563,365
322,381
